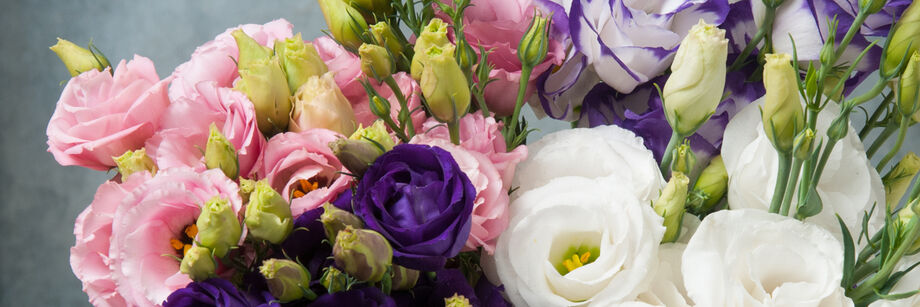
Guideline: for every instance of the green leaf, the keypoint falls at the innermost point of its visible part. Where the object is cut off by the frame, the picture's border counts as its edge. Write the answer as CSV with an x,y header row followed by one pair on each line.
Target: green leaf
x,y
849,254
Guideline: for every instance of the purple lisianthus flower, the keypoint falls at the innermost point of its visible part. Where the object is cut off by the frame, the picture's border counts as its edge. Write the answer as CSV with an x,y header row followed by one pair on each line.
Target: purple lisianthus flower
x,y
305,244
418,198
446,283
367,296
217,292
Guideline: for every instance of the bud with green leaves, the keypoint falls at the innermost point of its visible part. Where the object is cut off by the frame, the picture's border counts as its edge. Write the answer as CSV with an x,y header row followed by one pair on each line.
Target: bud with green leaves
x,y
356,156
804,144
872,6
905,39
372,8
782,108
383,35
219,153
403,278
709,188
457,300
376,133
198,264
265,83
287,280
78,59
375,61
434,34
250,50
898,179
535,43
444,85
134,161
334,280
908,85
684,159
362,253
268,215
346,24
218,226
300,61
335,220
670,205
909,219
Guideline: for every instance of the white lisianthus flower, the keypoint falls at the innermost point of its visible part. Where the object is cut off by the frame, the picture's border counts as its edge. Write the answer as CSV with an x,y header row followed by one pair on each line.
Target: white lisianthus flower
x,y
907,283
754,258
850,186
598,153
667,287
578,242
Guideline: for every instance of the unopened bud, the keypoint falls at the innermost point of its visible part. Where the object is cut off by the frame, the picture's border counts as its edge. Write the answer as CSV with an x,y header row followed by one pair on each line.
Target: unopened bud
x,y
135,161
268,216
898,179
250,50
457,301
905,39
403,278
534,44
434,34
218,227
838,128
383,35
910,225
300,61
334,280
78,59
670,205
335,220
684,159
246,188
380,107
709,188
444,85
287,280
804,144
220,154
782,109
356,156
376,134
320,103
198,264
265,83
872,6
346,24
372,8
466,56
362,253
908,100
375,61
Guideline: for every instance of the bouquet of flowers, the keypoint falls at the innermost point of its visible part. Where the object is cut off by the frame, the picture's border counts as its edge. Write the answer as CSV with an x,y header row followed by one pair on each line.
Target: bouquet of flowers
x,y
712,160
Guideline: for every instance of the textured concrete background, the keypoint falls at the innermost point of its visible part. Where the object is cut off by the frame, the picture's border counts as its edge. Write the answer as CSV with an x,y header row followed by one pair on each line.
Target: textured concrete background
x,y
41,199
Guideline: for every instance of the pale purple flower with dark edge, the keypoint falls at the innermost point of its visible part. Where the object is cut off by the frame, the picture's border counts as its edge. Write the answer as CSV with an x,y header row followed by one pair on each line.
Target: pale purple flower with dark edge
x,y
217,292
417,197
623,43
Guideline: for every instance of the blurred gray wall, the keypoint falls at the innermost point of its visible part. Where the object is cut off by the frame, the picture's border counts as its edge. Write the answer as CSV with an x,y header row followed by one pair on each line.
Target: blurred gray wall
x,y
41,199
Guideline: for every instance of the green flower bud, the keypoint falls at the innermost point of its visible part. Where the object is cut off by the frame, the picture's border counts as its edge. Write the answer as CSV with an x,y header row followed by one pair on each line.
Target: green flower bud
x,y
684,159
873,6
457,301
78,59
908,86
534,44
335,220
910,225
220,154
246,188
218,226
268,216
379,8
362,253
135,161
198,264
356,156
709,188
384,36
905,39
839,128
466,56
434,34
444,85
782,109
265,83
380,107
670,205
346,24
377,133
804,144
300,61
697,81
287,280
334,280
250,50
403,278
375,61
898,179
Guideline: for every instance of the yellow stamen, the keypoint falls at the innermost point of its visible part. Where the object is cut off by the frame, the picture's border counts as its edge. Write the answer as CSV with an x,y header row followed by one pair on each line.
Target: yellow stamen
x,y
576,261
185,249
191,231
585,257
176,244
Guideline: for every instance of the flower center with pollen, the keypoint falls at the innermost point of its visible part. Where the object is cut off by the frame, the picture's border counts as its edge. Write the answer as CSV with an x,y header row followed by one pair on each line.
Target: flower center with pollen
x,y
304,186
185,240
576,257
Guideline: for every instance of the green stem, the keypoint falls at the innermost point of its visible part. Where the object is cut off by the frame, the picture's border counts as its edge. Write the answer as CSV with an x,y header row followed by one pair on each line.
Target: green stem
x,y
454,128
669,153
851,32
871,121
765,28
481,99
865,270
880,140
403,106
782,177
790,186
881,276
902,132
522,90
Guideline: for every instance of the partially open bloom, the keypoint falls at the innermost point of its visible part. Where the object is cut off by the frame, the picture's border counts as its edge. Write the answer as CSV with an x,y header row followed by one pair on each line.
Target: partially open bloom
x,y
265,83
362,253
135,161
782,111
319,103
433,35
268,215
849,186
100,116
218,226
345,22
198,263
286,279
444,85
300,61
754,258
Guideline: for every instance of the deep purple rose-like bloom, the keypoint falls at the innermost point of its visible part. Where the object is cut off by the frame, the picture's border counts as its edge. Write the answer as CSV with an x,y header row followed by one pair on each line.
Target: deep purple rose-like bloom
x,y
417,197
446,283
217,292
368,296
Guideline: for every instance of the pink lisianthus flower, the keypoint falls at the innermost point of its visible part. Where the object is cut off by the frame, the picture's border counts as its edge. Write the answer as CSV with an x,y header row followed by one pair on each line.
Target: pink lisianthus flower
x,y
348,76
184,131
100,116
146,222
499,25
301,167
214,61
483,158
89,257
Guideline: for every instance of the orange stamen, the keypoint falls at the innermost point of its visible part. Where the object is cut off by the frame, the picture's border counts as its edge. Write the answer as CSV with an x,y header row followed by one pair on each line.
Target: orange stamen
x,y
176,244
191,231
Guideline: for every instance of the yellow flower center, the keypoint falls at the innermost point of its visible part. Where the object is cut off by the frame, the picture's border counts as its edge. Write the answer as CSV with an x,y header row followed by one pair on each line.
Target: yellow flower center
x,y
184,243
576,257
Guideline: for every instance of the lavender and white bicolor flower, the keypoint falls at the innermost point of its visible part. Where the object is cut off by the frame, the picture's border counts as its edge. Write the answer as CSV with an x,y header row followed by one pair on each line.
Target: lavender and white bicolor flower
x,y
623,43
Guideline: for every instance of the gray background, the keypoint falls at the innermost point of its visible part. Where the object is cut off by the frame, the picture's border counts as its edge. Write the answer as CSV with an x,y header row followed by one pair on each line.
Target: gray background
x,y
41,199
